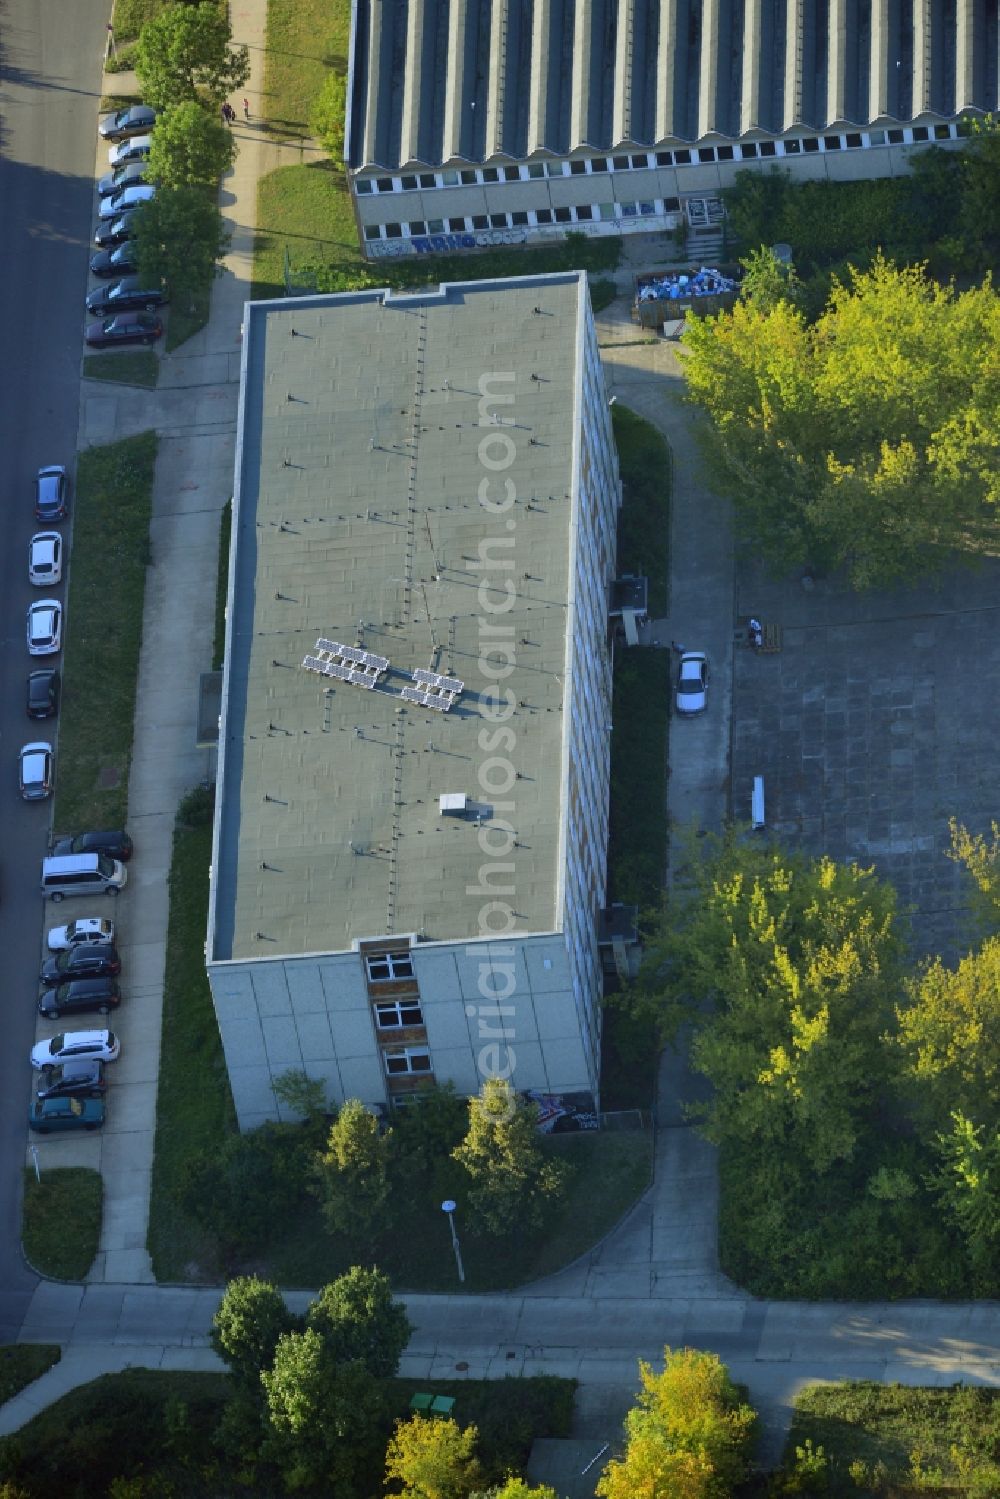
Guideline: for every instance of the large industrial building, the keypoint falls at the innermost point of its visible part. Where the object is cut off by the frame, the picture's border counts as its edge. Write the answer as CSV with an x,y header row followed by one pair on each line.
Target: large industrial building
x,y
412,803
473,122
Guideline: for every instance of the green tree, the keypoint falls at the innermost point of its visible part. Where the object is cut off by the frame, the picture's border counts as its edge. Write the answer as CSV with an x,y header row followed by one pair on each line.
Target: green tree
x,y
949,1033
514,1488
251,1319
328,116
179,238
650,1469
360,1322
980,857
968,1186
787,967
350,1177
689,1436
324,1418
302,1094
245,1190
186,52
979,166
766,280
430,1129
511,1184
190,148
870,440
433,1459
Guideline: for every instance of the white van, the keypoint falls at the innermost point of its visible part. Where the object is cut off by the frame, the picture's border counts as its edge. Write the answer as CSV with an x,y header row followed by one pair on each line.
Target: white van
x,y
82,874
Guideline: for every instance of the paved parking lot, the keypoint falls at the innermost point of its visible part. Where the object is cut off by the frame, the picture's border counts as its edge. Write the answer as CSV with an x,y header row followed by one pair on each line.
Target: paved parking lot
x,y
875,723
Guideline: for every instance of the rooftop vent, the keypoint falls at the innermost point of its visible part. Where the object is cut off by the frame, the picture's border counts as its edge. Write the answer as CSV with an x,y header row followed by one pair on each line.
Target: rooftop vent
x,y
453,804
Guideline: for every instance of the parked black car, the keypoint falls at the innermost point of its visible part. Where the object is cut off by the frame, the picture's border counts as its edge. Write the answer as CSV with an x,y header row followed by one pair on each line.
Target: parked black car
x,y
96,960
125,295
78,996
51,493
114,232
43,693
118,260
114,842
82,1079
124,328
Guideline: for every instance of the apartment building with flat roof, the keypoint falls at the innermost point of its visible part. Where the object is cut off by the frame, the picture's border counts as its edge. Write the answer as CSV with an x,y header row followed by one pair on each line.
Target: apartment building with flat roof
x,y
412,804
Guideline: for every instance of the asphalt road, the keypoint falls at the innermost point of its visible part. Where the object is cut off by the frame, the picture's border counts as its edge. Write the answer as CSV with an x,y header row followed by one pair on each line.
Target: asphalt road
x,y
50,79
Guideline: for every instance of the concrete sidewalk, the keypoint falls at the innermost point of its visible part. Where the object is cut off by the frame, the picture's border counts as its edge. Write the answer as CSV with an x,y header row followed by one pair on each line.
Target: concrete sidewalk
x,y
774,1347
193,411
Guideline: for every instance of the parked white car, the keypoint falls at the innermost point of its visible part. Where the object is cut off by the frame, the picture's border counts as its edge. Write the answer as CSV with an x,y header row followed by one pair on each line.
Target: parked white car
x,y
45,558
82,933
36,773
45,627
692,684
104,1045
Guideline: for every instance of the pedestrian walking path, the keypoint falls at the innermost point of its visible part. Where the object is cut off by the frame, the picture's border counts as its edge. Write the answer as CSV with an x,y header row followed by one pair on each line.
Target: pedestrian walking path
x,y
193,410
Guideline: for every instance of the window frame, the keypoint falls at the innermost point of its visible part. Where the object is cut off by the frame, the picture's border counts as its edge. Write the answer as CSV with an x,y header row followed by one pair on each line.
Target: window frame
x,y
398,1005
389,960
407,1055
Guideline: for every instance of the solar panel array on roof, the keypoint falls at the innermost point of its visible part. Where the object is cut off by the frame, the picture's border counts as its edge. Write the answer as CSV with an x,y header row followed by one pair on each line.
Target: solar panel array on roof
x,y
348,663
438,81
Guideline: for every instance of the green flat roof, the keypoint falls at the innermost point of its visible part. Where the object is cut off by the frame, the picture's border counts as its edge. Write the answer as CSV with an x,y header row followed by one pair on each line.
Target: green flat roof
x,y
359,520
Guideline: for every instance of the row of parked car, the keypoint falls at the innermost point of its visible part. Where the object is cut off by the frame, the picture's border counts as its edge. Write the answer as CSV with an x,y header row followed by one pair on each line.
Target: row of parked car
x,y
79,975
81,972
125,306
44,626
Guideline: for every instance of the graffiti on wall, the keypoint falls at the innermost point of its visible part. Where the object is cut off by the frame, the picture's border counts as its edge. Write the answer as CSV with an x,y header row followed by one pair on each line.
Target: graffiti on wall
x,y
561,1113
439,244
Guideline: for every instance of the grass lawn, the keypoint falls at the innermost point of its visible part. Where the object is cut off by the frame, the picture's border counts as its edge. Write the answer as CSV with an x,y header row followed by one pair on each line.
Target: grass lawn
x,y
637,852
304,39
140,367
194,1106
602,293
881,1429
111,513
154,1429
644,529
74,1195
307,208
22,1363
111,102
188,314
221,586
130,16
609,1171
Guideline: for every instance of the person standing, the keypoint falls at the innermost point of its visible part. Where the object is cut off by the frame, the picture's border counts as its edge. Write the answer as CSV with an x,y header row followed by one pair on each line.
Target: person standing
x,y
246,109
224,112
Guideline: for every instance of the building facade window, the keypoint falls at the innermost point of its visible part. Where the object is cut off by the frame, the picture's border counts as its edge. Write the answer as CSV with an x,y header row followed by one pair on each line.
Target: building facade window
x,y
393,1014
408,1061
384,966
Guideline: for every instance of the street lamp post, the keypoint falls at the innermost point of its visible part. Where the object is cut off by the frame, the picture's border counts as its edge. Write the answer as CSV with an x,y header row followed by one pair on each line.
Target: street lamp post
x,y
449,1207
